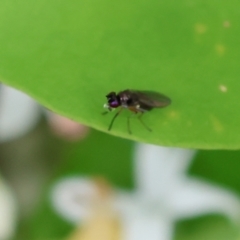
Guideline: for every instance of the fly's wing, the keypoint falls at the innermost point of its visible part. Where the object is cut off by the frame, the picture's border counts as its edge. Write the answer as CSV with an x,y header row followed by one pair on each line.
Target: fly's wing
x,y
150,99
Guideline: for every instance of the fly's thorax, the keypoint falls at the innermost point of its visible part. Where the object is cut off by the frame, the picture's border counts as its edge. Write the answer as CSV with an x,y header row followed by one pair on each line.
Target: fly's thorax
x,y
124,98
124,105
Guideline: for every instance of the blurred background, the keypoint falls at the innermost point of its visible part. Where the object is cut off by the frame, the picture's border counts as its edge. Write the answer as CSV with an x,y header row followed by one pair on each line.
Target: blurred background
x,y
62,180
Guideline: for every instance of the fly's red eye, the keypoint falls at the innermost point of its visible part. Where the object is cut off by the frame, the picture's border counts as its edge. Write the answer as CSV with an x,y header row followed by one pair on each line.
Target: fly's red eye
x,y
114,104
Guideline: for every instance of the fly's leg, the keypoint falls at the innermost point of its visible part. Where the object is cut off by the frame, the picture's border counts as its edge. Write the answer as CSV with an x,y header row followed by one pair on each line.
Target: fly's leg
x,y
128,125
113,119
128,121
140,119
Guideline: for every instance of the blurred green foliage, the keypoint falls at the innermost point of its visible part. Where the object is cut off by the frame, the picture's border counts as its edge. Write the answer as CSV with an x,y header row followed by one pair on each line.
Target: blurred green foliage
x,y
98,155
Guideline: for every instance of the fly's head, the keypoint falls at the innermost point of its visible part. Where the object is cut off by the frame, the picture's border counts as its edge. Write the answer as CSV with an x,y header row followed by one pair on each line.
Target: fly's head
x,y
113,101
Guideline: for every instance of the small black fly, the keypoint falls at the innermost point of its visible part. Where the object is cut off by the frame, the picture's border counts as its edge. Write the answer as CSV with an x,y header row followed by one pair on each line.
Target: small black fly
x,y
137,102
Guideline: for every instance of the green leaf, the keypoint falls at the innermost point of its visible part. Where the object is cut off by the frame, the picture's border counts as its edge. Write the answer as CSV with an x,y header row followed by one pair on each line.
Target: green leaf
x,y
69,54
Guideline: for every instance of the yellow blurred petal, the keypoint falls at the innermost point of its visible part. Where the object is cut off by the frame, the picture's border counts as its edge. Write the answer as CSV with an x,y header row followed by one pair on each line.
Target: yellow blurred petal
x,y
103,226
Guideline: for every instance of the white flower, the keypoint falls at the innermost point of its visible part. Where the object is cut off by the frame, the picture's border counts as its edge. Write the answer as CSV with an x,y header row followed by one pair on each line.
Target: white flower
x,y
74,198
164,194
18,113
8,212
